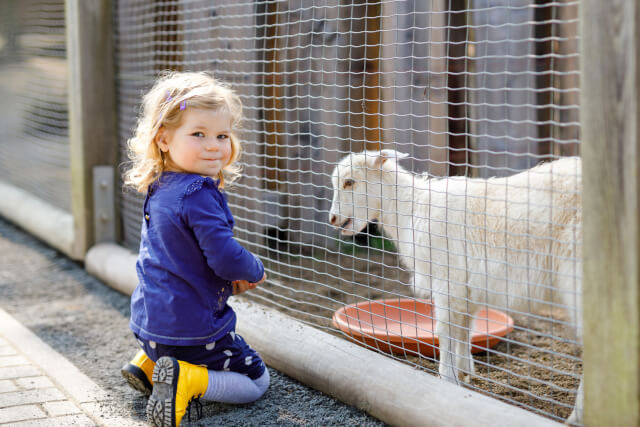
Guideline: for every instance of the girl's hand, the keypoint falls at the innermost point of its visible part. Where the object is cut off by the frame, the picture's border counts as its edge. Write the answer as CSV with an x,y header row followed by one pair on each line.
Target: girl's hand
x,y
264,277
240,286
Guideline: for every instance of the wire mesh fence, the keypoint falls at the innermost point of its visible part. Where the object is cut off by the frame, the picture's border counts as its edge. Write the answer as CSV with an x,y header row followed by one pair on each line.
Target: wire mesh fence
x,y
468,90
34,146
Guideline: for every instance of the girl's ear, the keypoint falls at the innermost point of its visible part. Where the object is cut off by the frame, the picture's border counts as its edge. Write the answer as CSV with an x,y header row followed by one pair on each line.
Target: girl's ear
x,y
161,139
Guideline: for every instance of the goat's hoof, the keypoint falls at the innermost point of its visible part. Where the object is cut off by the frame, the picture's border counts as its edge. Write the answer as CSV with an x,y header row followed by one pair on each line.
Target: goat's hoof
x,y
574,419
464,377
449,378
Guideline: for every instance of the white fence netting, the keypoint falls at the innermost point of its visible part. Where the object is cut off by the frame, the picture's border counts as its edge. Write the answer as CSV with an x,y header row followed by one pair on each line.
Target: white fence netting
x,y
34,143
471,88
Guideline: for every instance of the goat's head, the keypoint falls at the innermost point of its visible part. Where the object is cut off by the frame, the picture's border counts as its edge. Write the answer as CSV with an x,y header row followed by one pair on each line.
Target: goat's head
x,y
358,189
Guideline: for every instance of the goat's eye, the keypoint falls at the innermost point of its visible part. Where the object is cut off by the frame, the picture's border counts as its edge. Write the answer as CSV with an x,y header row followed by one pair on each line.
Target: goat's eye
x,y
348,183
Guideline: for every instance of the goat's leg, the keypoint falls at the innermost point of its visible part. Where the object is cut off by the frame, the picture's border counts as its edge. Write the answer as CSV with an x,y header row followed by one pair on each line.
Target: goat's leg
x,y
464,360
453,335
571,289
447,367
576,415
420,287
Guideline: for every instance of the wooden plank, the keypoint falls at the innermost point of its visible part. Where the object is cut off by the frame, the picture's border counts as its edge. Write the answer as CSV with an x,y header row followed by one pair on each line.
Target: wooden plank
x,y
359,24
332,90
567,98
9,28
166,36
504,98
135,71
317,118
92,113
414,64
305,118
543,28
609,114
240,65
274,94
232,56
457,83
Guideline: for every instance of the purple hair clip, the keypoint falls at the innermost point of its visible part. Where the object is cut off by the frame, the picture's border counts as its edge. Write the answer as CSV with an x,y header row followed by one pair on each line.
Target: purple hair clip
x,y
183,105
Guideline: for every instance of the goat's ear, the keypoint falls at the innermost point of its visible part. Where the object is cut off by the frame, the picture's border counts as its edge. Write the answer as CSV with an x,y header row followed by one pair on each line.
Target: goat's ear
x,y
387,154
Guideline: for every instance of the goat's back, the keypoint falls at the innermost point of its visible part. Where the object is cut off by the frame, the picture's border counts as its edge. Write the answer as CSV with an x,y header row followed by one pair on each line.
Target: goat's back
x,y
511,241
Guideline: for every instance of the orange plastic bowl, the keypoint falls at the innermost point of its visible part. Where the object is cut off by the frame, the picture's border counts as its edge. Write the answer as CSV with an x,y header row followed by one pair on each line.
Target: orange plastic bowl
x,y
402,326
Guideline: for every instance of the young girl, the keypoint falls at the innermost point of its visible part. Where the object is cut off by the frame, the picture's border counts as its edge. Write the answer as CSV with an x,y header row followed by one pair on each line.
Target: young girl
x,y
183,153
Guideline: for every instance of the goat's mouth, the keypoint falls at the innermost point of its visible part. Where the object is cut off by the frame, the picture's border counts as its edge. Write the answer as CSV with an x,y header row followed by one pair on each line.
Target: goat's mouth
x,y
350,231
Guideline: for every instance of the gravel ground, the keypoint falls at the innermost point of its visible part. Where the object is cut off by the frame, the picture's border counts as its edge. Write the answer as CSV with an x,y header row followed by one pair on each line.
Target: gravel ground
x,y
87,322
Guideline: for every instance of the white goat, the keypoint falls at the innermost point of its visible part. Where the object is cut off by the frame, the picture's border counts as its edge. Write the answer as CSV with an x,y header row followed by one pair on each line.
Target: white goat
x,y
511,243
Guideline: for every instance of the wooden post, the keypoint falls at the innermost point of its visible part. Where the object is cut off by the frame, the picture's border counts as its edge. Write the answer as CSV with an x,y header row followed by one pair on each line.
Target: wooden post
x,y
273,95
307,122
567,83
360,25
92,112
609,114
457,82
543,30
503,102
414,76
372,80
206,43
168,47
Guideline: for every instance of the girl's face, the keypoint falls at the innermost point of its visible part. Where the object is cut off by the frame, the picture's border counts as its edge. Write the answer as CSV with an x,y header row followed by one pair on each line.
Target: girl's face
x,y
200,145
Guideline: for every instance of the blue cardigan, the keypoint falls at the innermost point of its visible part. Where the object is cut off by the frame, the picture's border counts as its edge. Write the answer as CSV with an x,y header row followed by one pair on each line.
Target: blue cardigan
x,y
187,261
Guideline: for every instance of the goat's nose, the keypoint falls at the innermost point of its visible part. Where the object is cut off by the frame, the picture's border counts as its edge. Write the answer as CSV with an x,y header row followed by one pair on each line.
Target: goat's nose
x,y
333,220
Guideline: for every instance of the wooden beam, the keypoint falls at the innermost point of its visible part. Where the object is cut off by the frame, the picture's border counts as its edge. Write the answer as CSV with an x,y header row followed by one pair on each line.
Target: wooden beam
x,y
609,114
92,112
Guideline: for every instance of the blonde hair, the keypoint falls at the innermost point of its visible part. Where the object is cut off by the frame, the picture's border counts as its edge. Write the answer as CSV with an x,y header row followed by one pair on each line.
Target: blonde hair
x,y
164,106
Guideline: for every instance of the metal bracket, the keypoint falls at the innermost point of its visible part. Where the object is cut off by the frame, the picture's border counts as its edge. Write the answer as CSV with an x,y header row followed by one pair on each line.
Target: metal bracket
x,y
104,210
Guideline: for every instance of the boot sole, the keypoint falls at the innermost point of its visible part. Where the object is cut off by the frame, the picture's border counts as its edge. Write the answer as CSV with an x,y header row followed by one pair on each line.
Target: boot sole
x,y
160,407
137,379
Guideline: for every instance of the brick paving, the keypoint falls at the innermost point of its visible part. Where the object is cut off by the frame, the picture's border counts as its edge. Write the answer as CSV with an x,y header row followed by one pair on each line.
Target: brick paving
x,y
39,387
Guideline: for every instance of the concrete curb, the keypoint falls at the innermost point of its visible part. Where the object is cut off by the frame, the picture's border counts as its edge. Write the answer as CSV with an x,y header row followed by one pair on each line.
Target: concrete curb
x,y
74,388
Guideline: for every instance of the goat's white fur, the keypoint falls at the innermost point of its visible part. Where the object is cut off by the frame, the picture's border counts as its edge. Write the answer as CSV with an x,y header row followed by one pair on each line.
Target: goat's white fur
x,y
512,243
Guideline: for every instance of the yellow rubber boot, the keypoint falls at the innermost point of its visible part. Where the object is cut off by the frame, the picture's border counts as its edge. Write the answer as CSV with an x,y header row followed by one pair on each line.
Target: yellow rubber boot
x,y
175,385
138,373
